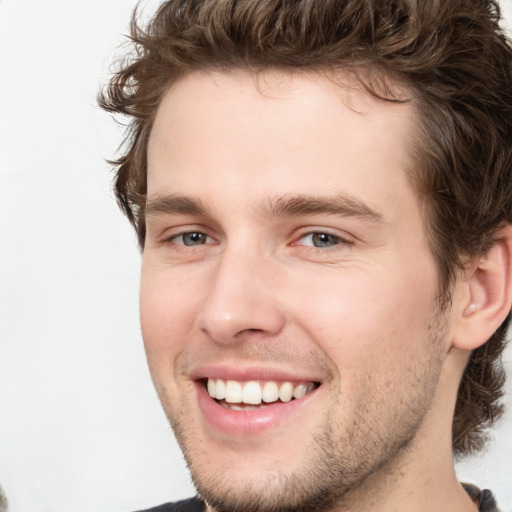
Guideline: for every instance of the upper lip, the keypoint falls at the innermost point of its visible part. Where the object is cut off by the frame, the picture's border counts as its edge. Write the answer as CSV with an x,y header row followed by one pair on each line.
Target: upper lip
x,y
240,373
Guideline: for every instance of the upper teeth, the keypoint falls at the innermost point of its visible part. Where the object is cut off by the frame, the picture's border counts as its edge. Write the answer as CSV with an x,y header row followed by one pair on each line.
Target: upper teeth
x,y
254,392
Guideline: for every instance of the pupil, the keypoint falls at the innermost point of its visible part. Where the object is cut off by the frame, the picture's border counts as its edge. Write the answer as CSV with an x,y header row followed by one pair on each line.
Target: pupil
x,y
193,239
323,240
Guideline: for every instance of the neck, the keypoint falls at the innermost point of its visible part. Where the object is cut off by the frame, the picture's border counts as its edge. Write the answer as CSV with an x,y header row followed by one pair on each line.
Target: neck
x,y
422,477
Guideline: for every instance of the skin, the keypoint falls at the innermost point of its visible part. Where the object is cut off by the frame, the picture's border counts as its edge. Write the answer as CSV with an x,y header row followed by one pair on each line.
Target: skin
x,y
355,309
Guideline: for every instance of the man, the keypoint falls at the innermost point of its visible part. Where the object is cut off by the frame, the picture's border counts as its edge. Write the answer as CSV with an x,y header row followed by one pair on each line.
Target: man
x,y
323,195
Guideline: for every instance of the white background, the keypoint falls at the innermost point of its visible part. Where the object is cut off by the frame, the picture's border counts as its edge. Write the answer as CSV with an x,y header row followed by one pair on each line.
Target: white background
x,y
80,426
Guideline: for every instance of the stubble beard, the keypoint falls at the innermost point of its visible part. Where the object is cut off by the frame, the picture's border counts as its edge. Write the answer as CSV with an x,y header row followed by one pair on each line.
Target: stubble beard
x,y
339,460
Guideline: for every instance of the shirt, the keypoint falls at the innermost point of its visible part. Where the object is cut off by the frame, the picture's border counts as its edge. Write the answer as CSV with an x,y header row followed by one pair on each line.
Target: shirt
x,y
483,498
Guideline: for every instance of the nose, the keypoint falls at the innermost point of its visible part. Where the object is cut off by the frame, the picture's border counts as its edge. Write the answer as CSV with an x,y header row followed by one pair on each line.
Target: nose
x,y
241,299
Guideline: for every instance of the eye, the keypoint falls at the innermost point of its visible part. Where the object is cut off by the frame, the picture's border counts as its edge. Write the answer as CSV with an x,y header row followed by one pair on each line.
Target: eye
x,y
191,239
320,240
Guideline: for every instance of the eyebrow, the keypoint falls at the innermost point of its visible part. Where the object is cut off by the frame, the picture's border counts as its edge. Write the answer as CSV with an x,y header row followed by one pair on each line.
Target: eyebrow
x,y
171,204
294,206
340,204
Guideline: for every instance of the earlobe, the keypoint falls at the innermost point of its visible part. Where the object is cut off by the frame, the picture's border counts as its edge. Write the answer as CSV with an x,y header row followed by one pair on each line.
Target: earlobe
x,y
487,296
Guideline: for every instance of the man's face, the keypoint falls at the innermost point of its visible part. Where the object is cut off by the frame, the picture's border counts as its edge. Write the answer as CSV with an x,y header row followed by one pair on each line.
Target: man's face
x,y
285,254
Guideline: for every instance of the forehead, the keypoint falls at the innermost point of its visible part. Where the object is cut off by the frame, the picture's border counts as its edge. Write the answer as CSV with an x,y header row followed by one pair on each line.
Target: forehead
x,y
290,131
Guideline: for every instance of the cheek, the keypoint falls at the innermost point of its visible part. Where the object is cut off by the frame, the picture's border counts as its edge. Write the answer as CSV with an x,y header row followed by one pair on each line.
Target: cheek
x,y
364,320
166,313
375,334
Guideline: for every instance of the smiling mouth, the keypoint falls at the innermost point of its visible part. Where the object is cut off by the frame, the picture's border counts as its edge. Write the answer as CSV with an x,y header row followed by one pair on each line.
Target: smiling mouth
x,y
243,396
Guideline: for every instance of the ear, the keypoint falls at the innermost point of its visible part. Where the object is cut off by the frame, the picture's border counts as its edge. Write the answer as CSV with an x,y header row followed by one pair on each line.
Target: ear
x,y
484,295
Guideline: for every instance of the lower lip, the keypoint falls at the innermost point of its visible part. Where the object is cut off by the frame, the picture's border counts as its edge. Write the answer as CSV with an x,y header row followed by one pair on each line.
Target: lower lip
x,y
251,421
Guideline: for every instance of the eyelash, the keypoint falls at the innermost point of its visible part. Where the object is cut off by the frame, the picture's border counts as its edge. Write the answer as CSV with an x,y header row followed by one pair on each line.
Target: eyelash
x,y
334,239
204,239
173,238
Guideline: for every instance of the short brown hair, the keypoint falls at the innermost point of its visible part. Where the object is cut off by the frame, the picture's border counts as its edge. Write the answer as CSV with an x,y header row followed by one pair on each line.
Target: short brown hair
x,y
451,55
